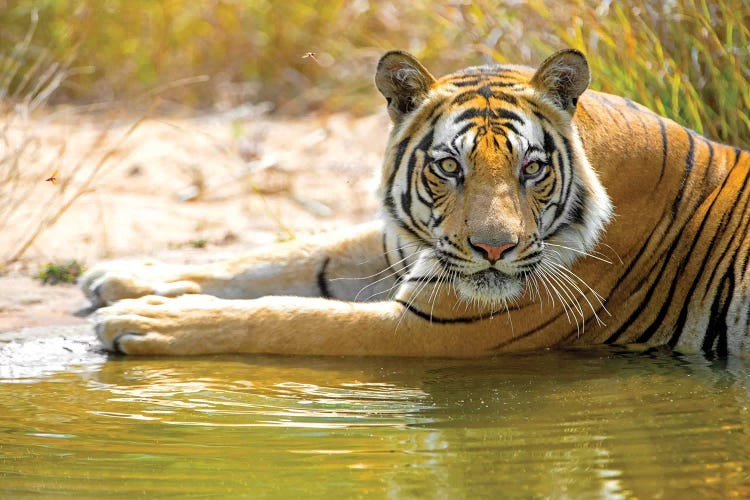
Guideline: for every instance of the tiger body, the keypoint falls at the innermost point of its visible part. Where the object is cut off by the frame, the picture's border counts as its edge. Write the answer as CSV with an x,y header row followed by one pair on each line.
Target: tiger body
x,y
519,213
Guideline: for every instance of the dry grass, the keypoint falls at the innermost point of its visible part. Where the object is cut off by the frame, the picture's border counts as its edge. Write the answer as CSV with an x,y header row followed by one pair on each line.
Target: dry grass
x,y
686,59
35,167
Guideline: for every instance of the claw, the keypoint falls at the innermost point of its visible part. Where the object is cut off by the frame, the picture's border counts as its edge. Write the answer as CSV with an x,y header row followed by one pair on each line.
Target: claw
x,y
117,347
96,295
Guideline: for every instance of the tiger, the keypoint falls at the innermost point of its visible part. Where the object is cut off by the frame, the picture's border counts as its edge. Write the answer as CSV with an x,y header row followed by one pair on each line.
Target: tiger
x,y
520,210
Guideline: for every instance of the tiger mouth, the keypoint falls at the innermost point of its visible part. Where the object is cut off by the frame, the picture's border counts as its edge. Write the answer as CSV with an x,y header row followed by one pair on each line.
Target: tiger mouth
x,y
490,276
490,286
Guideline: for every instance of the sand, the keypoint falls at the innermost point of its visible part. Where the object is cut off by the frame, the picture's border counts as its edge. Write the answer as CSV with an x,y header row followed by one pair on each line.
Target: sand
x,y
189,189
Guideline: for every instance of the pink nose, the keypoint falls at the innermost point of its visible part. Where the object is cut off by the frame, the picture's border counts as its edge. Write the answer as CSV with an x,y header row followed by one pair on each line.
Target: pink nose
x,y
494,252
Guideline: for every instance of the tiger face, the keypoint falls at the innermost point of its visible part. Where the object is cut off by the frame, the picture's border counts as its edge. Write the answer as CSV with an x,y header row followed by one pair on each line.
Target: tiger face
x,y
485,173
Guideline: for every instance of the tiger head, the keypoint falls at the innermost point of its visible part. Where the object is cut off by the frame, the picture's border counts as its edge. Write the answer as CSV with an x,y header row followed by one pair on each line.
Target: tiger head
x,y
486,173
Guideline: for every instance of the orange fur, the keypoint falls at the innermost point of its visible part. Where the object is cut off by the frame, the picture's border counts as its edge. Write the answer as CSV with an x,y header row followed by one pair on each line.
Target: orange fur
x,y
671,267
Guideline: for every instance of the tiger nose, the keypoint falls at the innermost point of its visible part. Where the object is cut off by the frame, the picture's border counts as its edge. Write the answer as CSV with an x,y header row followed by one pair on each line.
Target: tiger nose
x,y
493,251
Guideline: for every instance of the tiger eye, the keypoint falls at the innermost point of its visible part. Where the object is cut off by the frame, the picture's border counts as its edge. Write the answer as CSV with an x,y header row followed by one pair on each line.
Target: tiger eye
x,y
448,165
532,169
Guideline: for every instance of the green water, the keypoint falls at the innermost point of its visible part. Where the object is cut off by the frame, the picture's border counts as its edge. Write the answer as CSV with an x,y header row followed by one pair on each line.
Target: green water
x,y
578,424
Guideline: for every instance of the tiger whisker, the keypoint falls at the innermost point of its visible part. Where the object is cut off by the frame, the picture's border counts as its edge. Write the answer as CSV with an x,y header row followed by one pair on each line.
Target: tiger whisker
x,y
570,275
565,289
510,320
394,273
568,282
534,281
395,285
372,275
436,289
546,279
538,275
587,254
601,254
415,293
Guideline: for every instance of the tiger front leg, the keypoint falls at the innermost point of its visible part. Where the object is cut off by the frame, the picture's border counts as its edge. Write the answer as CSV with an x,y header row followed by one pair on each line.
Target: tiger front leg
x,y
338,265
200,324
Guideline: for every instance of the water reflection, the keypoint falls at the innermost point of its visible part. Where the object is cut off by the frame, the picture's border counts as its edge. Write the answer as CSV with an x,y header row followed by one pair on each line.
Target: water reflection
x,y
602,422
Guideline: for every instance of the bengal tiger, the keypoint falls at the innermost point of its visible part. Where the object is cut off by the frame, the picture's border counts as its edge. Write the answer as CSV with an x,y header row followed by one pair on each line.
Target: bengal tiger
x,y
519,211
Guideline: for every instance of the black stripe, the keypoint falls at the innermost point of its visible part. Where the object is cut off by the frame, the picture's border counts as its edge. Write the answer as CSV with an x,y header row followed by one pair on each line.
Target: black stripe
x,y
400,249
447,321
577,214
723,223
550,147
399,275
465,129
469,82
510,99
682,318
444,252
389,202
606,105
452,243
385,250
528,334
629,103
436,219
718,322
722,346
737,153
642,250
664,146
665,258
619,111
425,184
567,180
406,196
542,117
472,113
472,82
423,279
508,115
510,126
710,153
325,292
689,162
717,325
463,98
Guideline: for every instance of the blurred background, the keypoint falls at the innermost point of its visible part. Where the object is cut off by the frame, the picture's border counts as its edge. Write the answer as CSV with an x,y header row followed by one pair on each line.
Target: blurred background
x,y
686,59
194,129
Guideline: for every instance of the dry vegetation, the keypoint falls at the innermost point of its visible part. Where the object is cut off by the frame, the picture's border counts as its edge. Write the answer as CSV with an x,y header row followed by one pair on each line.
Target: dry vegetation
x,y
124,63
688,59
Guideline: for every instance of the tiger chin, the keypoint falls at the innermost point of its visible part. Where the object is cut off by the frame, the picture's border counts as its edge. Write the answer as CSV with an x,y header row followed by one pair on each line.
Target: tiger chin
x,y
519,211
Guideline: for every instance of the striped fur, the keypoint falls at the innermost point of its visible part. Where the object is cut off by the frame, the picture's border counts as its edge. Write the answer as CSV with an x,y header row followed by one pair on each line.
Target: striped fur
x,y
669,271
520,212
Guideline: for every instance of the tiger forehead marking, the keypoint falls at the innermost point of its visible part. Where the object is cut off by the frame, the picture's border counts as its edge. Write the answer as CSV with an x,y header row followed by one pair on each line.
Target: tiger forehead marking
x,y
481,102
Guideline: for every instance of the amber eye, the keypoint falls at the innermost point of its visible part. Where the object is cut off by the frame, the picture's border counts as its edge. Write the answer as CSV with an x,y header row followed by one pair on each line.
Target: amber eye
x,y
449,166
532,169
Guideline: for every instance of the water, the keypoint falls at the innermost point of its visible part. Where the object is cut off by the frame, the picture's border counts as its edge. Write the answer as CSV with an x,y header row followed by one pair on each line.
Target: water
x,y
577,424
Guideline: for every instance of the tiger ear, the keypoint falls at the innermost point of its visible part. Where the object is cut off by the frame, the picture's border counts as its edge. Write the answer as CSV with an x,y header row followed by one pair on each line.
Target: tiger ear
x,y
563,77
403,81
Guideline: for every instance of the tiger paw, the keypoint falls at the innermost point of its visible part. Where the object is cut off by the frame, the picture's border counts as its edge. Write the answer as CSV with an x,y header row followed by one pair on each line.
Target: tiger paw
x,y
157,325
109,282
